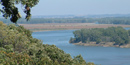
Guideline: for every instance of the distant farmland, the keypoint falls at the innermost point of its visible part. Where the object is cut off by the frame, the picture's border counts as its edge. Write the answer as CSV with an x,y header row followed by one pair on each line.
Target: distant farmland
x,y
67,26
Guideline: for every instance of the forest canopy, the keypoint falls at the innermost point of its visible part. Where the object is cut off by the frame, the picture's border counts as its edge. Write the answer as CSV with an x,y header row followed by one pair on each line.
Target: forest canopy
x,y
18,47
10,10
118,35
107,20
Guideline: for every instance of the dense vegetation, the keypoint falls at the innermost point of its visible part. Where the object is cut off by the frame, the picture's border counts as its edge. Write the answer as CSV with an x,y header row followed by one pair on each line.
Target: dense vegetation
x,y
108,20
112,34
9,10
51,20
115,20
18,47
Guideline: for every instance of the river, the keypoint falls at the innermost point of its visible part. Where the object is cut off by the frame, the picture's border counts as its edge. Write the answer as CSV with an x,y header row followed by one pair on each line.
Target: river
x,y
98,55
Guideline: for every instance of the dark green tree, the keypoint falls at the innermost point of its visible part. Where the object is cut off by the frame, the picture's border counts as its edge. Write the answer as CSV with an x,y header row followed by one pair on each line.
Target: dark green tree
x,y
112,34
18,47
10,10
129,32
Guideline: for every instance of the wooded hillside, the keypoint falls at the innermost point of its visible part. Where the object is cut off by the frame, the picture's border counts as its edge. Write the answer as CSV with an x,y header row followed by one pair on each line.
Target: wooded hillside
x,y
18,47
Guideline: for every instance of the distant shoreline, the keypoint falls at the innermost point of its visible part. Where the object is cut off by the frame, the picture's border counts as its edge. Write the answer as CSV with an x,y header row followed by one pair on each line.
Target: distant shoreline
x,y
103,44
66,26
51,30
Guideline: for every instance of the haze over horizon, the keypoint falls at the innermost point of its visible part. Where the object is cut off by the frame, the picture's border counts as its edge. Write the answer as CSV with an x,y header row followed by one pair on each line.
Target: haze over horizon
x,y
79,7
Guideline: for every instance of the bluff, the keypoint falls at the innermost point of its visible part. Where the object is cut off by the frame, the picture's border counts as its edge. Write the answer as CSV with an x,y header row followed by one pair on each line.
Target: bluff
x,y
18,47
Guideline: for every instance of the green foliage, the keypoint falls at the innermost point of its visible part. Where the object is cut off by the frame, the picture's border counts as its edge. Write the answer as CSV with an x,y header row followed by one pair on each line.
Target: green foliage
x,y
10,10
129,32
108,20
52,20
114,20
79,59
112,34
18,47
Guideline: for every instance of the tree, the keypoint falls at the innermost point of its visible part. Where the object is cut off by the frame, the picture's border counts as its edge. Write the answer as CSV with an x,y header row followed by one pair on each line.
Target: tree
x,y
18,47
129,32
112,34
10,10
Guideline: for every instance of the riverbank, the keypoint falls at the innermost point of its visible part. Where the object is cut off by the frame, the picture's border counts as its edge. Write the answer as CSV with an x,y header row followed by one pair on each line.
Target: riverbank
x,y
103,44
98,55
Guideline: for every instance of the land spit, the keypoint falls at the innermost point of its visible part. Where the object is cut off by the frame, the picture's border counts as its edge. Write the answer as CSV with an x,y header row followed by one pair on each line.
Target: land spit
x,y
103,44
72,26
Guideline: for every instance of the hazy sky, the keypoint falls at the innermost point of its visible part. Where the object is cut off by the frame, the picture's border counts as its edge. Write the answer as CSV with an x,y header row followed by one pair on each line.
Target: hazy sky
x,y
81,7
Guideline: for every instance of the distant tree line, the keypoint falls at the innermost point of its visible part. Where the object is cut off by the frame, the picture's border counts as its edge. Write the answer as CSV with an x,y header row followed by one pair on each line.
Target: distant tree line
x,y
114,20
107,20
51,20
112,34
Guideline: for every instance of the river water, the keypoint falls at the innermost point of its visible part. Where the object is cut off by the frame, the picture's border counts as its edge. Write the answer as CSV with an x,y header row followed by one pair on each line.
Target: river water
x,y
98,55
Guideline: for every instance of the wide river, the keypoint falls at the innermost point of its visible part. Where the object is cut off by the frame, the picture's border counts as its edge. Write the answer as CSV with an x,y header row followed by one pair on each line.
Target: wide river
x,y
98,55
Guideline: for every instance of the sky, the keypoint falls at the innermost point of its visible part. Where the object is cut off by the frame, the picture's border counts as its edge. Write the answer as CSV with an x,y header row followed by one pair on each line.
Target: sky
x,y
80,7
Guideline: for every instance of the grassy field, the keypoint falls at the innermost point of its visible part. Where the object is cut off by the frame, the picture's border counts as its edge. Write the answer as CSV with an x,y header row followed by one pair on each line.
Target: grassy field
x,y
67,26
